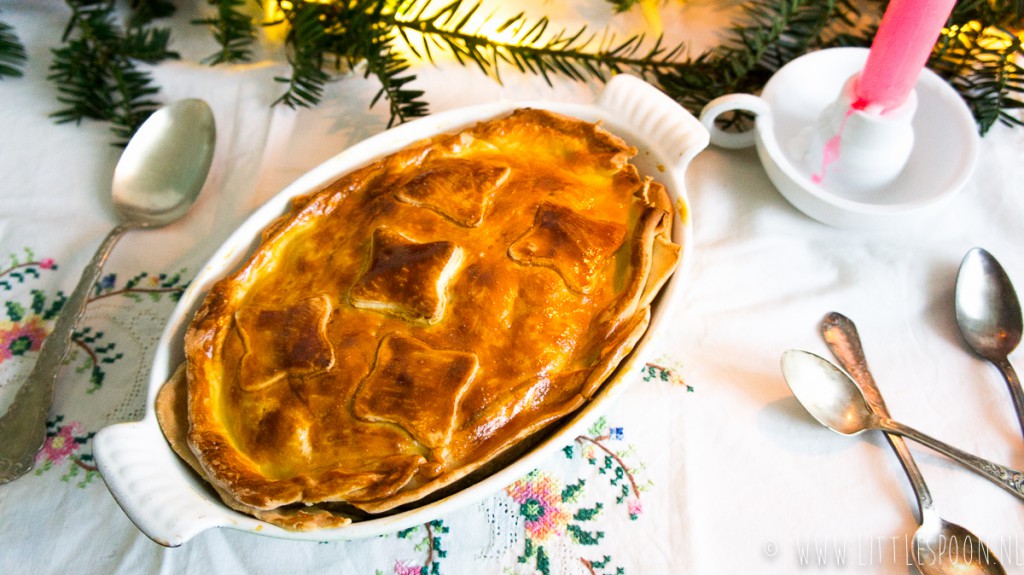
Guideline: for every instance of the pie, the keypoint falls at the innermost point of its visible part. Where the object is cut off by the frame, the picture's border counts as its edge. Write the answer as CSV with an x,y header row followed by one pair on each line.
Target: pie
x,y
421,320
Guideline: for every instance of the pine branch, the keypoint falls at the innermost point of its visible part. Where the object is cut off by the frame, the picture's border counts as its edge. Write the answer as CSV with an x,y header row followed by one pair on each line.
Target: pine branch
x,y
983,65
12,53
144,12
306,42
96,74
621,6
770,34
391,69
347,33
97,77
234,31
532,47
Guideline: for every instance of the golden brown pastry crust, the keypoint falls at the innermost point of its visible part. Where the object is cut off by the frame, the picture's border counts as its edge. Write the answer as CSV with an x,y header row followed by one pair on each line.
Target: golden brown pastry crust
x,y
420,316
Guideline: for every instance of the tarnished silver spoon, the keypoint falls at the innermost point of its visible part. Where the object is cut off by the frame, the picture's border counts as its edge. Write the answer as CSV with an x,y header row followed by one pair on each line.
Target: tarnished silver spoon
x,y
831,397
934,533
157,179
989,316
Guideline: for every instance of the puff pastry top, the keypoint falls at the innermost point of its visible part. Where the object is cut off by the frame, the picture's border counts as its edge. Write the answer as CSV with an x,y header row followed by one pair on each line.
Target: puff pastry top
x,y
421,315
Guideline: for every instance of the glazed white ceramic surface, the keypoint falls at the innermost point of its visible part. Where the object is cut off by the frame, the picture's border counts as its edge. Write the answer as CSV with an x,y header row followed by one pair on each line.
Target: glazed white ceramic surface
x,y
910,179
171,504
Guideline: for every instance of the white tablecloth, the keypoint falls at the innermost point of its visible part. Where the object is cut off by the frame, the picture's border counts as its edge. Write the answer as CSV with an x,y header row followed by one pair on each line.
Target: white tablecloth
x,y
706,465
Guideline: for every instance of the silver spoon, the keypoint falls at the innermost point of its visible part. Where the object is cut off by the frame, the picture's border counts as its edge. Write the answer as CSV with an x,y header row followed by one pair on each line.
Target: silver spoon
x,y
989,316
832,398
840,334
156,180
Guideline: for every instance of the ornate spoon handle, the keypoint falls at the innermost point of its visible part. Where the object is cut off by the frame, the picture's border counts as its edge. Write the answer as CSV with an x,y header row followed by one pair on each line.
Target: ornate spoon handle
x,y
1008,478
23,427
843,340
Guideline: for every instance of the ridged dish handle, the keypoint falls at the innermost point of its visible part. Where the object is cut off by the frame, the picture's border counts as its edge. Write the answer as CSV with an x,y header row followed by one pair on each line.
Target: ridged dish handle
x,y
162,506
673,132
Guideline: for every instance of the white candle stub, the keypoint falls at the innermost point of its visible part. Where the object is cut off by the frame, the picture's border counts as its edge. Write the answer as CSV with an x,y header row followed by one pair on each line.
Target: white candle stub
x,y
853,152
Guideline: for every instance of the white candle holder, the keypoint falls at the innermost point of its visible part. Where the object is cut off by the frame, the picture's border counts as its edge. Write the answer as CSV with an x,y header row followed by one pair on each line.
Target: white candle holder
x,y
855,169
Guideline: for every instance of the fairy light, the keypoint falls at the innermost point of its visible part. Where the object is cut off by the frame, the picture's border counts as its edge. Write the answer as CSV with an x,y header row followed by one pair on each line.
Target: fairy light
x,y
991,38
273,12
485,25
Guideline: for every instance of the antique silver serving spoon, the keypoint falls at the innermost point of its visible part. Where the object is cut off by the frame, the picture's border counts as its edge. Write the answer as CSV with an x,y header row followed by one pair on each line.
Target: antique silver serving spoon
x,y
831,397
157,179
989,316
934,533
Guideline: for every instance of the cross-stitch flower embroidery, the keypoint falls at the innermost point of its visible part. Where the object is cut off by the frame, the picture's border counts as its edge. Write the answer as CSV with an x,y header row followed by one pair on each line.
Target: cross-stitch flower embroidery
x,y
403,568
61,445
21,337
539,496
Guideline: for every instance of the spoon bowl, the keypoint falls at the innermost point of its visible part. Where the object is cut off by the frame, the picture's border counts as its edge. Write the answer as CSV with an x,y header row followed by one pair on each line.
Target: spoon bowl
x,y
988,313
944,548
832,398
165,164
827,393
156,181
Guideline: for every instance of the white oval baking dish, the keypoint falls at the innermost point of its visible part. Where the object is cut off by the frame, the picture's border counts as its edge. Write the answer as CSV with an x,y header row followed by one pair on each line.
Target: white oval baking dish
x,y
170,504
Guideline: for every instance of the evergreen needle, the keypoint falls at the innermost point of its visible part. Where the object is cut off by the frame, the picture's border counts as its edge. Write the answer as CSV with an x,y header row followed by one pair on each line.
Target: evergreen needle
x,y
12,52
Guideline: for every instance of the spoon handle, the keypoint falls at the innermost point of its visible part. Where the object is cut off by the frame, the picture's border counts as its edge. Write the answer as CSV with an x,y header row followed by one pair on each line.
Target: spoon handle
x,y
843,340
1013,382
1008,478
23,426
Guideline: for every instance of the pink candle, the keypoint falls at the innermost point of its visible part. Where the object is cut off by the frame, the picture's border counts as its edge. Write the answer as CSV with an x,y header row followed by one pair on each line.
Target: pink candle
x,y
904,41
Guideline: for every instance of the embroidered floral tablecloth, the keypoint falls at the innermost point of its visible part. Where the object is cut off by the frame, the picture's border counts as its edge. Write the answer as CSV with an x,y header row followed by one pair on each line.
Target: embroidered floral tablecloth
x,y
706,465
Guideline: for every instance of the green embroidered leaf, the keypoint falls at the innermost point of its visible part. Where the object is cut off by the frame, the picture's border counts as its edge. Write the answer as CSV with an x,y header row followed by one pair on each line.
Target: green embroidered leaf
x,y
15,311
38,301
583,537
543,562
132,282
572,491
588,514
58,304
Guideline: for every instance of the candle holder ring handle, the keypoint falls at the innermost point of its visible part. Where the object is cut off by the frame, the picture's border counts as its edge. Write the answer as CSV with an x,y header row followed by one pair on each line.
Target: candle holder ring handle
x,y
730,103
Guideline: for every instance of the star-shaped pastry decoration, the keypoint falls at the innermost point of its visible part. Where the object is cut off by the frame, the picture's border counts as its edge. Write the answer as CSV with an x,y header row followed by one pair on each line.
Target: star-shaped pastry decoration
x,y
458,189
405,278
573,245
284,341
417,387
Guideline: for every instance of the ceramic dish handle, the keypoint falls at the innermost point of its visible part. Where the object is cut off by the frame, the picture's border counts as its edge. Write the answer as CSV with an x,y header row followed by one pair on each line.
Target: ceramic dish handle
x,y
135,474
672,131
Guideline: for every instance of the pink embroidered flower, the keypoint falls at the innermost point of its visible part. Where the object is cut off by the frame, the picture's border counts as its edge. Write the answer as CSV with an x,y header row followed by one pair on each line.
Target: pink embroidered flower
x,y
46,264
21,338
58,447
635,507
402,568
539,496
